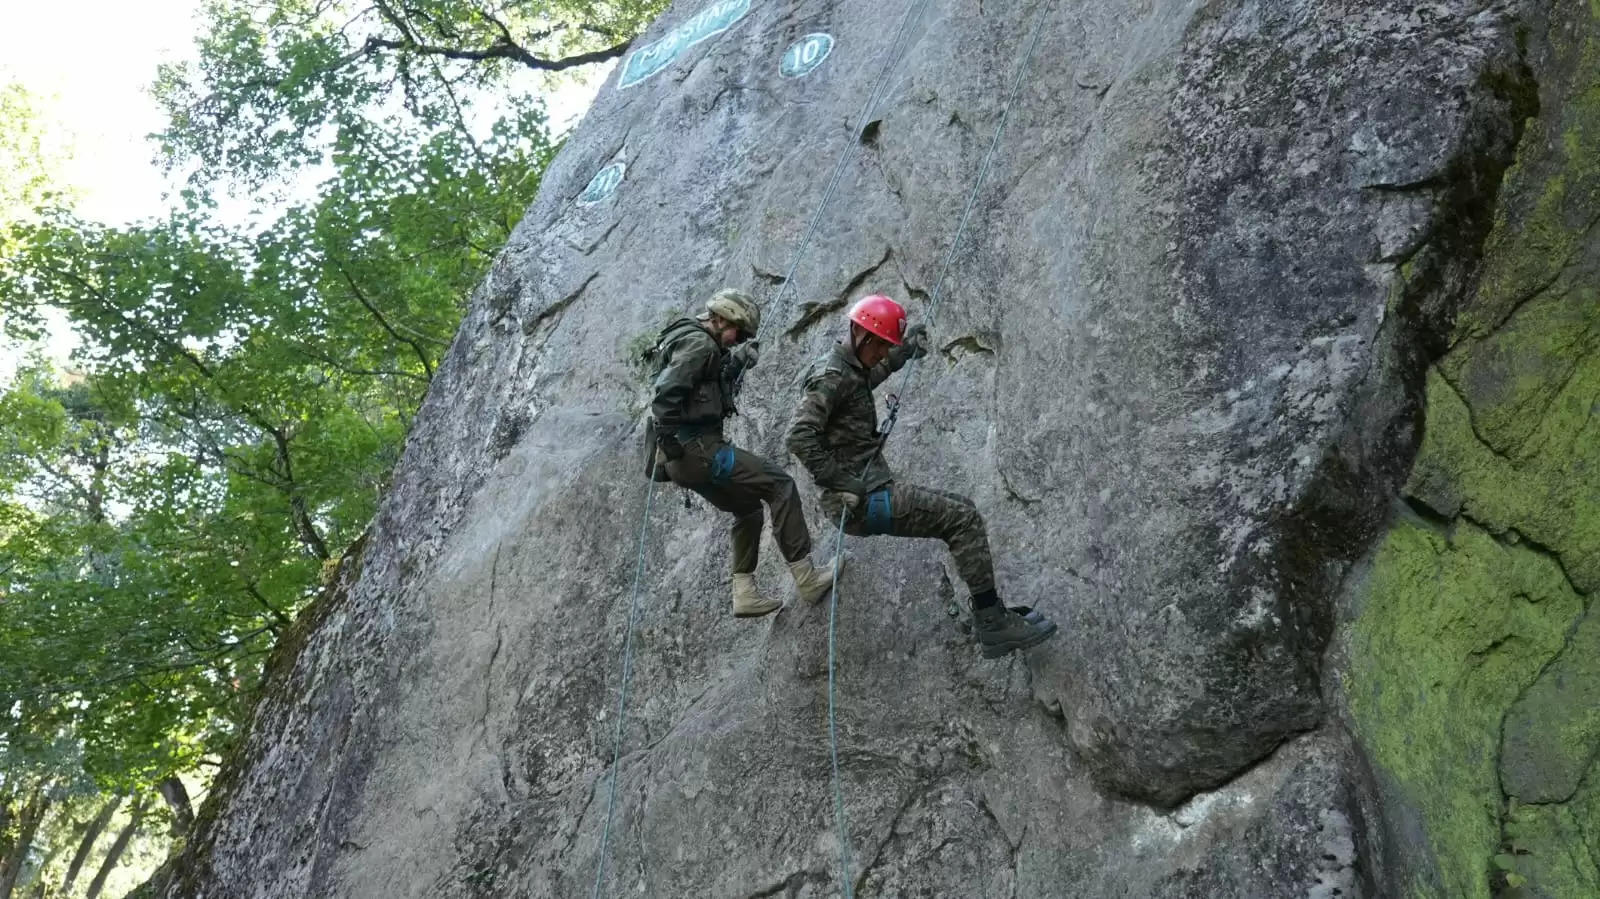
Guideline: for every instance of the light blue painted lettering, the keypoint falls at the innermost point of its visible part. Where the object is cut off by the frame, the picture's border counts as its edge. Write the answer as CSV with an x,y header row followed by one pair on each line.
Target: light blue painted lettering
x,y
652,58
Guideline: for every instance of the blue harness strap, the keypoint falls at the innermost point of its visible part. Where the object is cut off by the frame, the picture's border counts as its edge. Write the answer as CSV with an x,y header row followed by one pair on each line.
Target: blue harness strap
x,y
722,466
880,517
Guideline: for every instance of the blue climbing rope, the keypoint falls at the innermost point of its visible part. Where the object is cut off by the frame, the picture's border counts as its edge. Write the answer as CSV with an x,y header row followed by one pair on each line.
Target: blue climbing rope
x,y
833,724
627,671
833,596
892,56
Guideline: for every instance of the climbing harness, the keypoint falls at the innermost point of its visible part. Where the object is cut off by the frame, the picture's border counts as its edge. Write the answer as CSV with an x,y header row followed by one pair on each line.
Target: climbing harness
x,y
892,56
893,407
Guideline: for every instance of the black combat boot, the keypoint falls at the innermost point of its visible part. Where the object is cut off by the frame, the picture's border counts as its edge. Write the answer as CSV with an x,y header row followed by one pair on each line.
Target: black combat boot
x,y
1000,630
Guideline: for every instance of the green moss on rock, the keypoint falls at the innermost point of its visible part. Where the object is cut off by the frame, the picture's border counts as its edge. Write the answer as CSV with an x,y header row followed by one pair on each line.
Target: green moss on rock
x,y
1551,497
1474,680
1547,856
1551,198
1515,379
1454,628
1552,734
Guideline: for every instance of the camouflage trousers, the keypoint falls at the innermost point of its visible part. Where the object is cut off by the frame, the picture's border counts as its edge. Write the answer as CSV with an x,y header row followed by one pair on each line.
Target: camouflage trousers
x,y
906,510
738,482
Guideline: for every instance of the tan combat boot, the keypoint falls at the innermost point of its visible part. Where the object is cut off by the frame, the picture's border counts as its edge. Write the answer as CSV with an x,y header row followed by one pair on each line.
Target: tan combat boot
x,y
747,603
812,582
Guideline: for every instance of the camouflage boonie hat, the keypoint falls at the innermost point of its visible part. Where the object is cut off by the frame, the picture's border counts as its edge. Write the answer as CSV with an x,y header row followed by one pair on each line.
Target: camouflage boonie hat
x,y
737,308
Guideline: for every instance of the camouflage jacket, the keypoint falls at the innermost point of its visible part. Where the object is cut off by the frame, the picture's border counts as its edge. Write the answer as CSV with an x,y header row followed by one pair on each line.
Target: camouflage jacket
x,y
835,430
690,390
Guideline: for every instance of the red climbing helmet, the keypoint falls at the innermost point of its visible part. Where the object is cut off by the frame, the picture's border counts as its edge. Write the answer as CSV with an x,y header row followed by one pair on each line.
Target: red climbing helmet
x,y
881,316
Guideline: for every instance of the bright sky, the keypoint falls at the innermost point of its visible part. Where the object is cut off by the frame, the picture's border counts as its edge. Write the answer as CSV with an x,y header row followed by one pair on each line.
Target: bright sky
x,y
91,62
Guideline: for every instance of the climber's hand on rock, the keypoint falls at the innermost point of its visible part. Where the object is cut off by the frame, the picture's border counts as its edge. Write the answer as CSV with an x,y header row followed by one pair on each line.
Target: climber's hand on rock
x,y
743,357
916,342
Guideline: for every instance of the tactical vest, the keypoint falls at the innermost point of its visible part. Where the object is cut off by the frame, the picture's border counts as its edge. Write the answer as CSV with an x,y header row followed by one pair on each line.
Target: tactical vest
x,y
707,403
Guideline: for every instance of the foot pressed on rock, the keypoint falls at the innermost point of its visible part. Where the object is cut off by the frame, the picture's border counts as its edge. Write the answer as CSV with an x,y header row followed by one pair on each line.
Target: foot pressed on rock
x,y
1028,613
747,602
812,582
1001,630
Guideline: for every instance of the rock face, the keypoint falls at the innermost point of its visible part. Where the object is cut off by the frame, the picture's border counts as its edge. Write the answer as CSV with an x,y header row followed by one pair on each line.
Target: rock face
x,y
1224,260
1469,663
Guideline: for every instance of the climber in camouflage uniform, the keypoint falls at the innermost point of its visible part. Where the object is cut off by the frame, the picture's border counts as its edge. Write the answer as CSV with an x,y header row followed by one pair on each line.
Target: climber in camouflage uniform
x,y
698,363
835,435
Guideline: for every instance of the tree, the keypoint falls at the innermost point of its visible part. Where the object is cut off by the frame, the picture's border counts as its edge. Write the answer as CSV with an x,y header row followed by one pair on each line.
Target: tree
x,y
240,396
239,403
279,82
27,824
119,846
91,835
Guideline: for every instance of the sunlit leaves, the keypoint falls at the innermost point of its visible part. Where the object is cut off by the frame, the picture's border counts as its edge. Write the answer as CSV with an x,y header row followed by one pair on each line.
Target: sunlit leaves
x,y
238,403
29,150
282,84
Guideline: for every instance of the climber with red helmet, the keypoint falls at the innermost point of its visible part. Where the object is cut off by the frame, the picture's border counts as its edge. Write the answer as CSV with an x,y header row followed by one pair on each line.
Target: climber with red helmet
x,y
697,364
835,435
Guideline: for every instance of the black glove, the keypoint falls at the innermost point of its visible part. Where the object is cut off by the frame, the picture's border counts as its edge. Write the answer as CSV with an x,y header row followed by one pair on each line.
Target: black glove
x,y
915,343
743,357
670,447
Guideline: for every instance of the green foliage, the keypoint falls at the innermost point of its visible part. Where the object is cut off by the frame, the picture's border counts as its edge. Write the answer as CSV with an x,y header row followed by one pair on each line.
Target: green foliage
x,y
279,83
235,409
27,153
239,397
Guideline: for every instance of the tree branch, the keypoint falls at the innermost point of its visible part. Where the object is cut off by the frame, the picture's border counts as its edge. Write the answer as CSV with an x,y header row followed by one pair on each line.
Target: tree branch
x,y
134,323
309,353
255,594
362,299
502,48
297,502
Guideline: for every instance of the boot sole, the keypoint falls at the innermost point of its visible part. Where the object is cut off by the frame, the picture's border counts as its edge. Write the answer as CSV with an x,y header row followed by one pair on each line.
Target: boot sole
x,y
756,614
820,597
1028,613
997,650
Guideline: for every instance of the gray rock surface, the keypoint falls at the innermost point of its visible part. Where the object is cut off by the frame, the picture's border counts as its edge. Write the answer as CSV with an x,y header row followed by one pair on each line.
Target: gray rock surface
x,y
1179,370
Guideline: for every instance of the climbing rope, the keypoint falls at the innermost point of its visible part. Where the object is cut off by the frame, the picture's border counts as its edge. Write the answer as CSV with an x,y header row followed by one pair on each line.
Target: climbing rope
x,y
627,671
972,197
888,427
833,725
913,12
891,57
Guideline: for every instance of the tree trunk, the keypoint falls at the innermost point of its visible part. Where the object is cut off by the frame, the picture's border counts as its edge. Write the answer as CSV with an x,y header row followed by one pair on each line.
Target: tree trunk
x,y
28,826
86,845
177,796
35,878
117,848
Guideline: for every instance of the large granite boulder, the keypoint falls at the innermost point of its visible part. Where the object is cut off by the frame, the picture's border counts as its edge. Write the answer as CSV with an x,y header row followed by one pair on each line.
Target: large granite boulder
x,y
1182,366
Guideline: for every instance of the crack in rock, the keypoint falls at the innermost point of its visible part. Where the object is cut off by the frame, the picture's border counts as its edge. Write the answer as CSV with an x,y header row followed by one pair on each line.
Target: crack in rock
x,y
811,313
